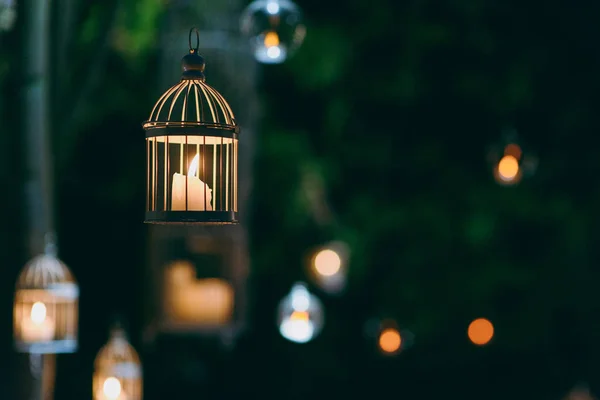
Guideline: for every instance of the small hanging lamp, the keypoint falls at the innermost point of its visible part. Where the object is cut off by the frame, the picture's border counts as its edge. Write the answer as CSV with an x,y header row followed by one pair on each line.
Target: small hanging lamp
x,y
117,370
192,152
300,315
46,307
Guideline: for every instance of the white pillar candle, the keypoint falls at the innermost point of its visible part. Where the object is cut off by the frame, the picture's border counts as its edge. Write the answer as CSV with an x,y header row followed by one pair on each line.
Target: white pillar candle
x,y
199,194
38,327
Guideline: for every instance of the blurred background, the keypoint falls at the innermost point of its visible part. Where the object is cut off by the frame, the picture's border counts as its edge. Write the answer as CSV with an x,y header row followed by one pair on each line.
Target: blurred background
x,y
387,137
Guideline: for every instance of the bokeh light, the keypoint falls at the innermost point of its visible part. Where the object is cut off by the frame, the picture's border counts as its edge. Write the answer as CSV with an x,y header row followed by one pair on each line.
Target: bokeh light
x,y
508,168
390,340
327,262
480,331
112,388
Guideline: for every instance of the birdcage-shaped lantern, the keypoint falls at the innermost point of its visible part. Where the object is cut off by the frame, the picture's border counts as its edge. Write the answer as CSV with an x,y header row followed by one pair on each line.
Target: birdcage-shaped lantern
x,y
46,307
192,152
117,370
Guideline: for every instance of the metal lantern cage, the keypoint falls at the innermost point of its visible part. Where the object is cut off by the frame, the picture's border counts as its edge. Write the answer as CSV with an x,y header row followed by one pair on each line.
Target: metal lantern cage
x,y
192,152
117,370
46,308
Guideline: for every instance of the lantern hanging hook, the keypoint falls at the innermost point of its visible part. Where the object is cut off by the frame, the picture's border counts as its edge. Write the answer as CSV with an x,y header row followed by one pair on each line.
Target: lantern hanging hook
x,y
194,49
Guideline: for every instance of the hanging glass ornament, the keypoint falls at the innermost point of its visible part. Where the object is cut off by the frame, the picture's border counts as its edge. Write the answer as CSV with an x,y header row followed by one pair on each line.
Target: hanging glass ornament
x,y
274,29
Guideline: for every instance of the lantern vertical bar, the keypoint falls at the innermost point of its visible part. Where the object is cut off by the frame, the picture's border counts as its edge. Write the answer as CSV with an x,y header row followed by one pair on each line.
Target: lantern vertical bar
x,y
169,201
214,153
155,184
221,179
153,208
227,177
187,174
147,175
181,159
203,157
165,172
234,174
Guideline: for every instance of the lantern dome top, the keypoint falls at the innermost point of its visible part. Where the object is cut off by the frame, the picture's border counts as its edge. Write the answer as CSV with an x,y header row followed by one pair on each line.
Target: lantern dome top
x,y
45,271
192,102
118,350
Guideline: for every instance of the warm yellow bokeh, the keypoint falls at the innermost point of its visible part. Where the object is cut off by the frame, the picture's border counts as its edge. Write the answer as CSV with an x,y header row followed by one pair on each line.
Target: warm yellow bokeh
x,y
271,39
299,316
508,168
390,340
327,262
481,331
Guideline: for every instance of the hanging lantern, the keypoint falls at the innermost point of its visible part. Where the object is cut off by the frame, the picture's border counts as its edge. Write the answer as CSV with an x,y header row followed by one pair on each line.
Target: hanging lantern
x,y
192,152
300,315
117,370
274,28
46,307
200,278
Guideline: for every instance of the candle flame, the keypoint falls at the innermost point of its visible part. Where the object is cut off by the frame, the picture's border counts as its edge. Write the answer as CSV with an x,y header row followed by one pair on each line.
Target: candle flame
x,y
38,313
299,316
193,169
271,39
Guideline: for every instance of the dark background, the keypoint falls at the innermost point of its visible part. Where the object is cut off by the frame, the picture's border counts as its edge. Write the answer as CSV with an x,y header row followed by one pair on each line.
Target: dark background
x,y
394,105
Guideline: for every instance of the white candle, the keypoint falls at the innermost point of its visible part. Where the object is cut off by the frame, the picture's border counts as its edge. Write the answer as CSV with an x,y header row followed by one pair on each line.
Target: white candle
x,y
199,194
192,300
38,327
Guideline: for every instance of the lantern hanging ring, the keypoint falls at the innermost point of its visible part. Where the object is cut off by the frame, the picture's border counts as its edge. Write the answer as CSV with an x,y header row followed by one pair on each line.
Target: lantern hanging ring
x,y
194,49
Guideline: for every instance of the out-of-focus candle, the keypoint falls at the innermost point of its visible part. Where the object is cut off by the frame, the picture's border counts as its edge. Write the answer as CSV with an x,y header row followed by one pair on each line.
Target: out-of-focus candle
x,y
38,327
199,194
192,300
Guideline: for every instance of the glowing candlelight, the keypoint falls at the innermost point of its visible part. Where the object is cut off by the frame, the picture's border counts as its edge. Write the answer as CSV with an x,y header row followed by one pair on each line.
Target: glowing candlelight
x,y
199,194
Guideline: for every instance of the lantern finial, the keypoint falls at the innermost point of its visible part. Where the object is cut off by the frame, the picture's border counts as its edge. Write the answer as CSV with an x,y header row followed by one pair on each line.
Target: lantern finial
x,y
193,63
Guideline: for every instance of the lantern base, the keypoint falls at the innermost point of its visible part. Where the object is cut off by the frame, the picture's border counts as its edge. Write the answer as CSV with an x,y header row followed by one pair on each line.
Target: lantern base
x,y
53,347
192,217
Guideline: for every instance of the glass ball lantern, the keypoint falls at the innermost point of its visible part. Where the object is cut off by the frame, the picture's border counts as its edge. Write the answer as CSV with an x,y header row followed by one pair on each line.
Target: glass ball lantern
x,y
300,315
46,307
274,28
192,152
117,370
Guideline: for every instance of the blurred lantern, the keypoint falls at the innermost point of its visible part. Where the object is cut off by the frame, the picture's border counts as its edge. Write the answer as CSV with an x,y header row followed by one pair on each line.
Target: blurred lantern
x,y
8,14
580,392
509,162
201,278
46,307
207,301
329,266
274,28
300,315
117,370
390,339
192,152
480,331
